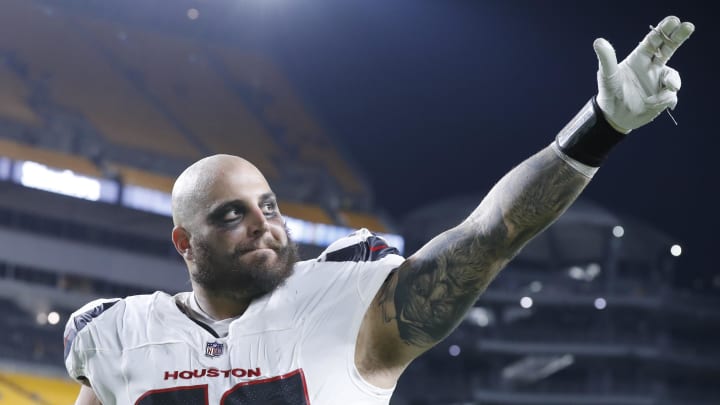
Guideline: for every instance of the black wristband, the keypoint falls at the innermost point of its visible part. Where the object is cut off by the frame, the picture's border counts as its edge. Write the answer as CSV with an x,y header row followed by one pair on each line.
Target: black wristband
x,y
588,137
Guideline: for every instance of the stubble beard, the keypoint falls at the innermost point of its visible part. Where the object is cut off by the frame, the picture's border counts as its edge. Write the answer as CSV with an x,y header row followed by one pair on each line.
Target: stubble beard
x,y
236,279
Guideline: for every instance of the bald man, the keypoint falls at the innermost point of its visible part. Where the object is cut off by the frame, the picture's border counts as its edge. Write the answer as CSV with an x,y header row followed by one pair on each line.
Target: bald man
x,y
261,327
230,232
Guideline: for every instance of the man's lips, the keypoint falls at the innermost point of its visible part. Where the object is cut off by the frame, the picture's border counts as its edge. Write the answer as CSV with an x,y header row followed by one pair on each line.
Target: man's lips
x,y
255,249
258,250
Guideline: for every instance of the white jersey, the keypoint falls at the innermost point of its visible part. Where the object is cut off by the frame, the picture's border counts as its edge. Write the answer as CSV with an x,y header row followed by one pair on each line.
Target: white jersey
x,y
293,346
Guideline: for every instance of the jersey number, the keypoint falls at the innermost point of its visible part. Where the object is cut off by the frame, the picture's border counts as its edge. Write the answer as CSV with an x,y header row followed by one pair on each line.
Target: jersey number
x,y
288,389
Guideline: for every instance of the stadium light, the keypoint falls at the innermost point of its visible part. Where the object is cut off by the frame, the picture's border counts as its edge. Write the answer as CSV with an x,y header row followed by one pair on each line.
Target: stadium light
x,y
147,199
454,350
618,231
41,318
536,286
193,14
576,273
589,273
53,318
479,316
600,303
526,302
39,176
676,250
5,165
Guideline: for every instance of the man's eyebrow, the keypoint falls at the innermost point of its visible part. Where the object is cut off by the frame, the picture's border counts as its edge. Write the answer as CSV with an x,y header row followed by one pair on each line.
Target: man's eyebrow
x,y
268,196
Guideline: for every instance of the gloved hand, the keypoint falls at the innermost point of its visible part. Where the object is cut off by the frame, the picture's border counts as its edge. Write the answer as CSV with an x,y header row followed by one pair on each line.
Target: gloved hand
x,y
637,90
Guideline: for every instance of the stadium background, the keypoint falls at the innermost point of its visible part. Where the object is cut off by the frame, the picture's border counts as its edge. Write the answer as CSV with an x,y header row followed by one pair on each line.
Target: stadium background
x,y
396,117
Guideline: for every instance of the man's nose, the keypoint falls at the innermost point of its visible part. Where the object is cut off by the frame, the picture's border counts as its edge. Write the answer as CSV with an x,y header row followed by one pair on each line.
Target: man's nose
x,y
257,223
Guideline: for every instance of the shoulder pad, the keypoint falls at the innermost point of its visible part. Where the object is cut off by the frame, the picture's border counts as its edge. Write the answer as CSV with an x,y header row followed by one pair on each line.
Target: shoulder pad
x,y
360,246
84,316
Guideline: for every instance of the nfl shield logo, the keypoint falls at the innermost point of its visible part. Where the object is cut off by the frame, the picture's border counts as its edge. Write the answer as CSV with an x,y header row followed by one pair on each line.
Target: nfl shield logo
x,y
214,349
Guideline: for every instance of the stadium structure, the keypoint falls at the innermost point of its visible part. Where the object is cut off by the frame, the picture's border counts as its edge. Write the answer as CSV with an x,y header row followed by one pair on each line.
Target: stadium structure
x,y
97,117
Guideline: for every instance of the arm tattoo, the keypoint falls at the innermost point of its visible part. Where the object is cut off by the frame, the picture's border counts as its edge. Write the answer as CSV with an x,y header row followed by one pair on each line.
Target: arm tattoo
x,y
434,288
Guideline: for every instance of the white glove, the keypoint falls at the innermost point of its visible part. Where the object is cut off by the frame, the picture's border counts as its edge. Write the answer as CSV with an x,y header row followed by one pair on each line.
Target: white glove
x,y
637,90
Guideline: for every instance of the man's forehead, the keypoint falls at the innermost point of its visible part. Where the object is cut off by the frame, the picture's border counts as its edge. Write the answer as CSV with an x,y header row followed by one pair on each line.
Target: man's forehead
x,y
236,180
237,185
218,177
217,168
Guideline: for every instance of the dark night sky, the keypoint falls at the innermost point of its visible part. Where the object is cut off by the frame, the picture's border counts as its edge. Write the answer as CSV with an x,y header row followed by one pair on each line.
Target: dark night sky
x,y
440,98
434,99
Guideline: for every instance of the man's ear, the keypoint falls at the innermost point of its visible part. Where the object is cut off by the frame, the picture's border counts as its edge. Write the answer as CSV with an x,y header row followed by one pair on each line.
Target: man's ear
x,y
181,240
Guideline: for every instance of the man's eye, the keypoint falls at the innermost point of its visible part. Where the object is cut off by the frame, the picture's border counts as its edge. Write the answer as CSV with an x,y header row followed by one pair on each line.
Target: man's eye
x,y
232,215
269,207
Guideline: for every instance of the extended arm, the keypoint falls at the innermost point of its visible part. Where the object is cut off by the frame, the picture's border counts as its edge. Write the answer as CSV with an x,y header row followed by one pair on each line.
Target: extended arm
x,y
428,295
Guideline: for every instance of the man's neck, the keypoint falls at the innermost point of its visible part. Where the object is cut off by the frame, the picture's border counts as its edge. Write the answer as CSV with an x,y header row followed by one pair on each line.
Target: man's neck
x,y
218,306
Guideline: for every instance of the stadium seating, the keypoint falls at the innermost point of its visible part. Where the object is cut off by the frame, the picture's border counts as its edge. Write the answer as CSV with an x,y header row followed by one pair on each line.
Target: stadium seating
x,y
136,177
162,93
13,98
356,220
19,151
180,79
26,389
307,212
282,108
77,76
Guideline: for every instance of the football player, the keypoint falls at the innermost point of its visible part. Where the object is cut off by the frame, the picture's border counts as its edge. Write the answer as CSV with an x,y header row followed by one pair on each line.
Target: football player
x,y
261,327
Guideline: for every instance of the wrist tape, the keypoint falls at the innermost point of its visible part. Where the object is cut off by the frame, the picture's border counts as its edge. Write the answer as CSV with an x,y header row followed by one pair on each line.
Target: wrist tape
x,y
588,137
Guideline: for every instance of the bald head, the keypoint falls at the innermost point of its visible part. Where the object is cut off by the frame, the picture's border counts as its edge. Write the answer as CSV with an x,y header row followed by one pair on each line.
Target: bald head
x,y
201,183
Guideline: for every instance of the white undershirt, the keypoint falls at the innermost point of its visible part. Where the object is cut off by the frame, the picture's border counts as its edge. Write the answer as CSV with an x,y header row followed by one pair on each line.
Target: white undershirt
x,y
193,310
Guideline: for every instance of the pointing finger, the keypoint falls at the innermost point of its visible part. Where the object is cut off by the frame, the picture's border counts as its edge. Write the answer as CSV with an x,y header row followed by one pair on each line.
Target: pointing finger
x,y
606,57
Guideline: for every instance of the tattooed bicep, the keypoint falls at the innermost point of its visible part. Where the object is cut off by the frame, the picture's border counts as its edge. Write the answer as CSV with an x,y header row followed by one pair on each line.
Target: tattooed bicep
x,y
429,294
431,291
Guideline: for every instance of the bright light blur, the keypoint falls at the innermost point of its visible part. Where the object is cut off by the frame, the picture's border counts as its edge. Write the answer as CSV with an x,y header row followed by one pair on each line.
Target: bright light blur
x,y
479,316
325,234
147,199
36,175
53,318
618,231
535,286
576,272
676,250
526,302
589,273
600,303
41,318
193,14
454,350
593,270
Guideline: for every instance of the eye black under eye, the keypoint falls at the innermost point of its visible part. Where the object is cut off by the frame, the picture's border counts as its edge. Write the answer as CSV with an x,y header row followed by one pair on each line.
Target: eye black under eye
x,y
228,214
232,214
269,207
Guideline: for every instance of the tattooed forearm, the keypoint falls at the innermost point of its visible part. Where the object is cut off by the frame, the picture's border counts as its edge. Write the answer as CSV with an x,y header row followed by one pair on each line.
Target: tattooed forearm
x,y
433,289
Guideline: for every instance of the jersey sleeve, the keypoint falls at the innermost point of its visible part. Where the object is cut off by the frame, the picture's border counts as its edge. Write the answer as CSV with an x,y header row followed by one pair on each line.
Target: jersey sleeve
x,y
371,255
360,246
77,341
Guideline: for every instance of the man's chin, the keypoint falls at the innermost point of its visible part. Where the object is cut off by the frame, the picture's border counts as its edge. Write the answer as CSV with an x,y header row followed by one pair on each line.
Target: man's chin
x,y
253,273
